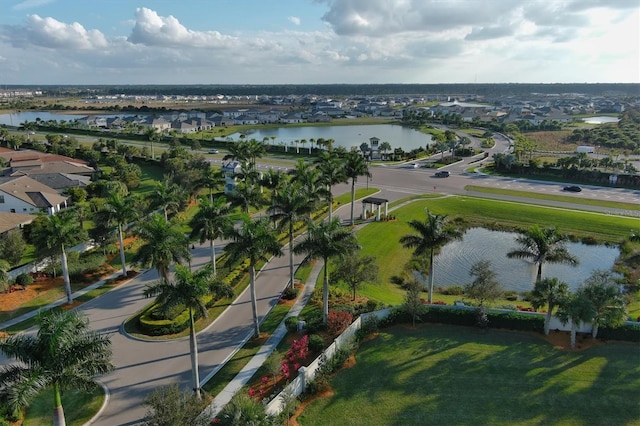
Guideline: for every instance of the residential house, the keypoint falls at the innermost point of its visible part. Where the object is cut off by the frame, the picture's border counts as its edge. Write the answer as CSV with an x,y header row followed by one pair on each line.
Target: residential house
x,y
9,221
21,194
230,171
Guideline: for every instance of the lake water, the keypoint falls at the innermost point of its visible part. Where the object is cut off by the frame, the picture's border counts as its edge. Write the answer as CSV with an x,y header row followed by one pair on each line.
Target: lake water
x,y
601,120
16,118
345,136
453,263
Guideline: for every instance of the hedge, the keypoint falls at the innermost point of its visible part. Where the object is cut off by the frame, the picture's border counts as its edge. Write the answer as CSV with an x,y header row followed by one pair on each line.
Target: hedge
x,y
626,332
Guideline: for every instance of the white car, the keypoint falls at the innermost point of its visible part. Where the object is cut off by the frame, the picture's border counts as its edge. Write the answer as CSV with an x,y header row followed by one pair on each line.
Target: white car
x,y
213,151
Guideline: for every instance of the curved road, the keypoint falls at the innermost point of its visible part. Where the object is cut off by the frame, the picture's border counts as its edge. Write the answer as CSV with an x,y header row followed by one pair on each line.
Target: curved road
x,y
144,365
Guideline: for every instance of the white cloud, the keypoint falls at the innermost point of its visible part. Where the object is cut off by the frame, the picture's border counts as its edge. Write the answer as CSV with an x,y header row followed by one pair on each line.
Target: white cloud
x,y
153,30
53,34
29,4
376,41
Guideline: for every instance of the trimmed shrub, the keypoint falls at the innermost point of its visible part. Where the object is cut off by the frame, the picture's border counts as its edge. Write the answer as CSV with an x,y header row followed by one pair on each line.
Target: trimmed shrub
x,y
291,323
24,279
337,321
316,343
454,290
626,332
290,293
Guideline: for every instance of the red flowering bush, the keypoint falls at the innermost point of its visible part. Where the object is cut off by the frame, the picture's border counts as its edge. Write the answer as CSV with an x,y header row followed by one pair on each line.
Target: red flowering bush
x,y
337,321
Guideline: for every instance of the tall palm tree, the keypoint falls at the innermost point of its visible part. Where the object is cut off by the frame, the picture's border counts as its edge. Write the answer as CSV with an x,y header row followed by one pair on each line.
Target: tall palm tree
x,y
332,172
602,290
354,167
65,354
153,135
256,241
211,179
246,195
289,206
309,178
165,243
542,245
166,196
238,151
324,241
119,211
431,234
188,290
55,234
549,292
210,222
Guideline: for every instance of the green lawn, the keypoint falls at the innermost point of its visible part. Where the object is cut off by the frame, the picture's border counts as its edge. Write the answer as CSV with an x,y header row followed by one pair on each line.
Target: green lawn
x,y
448,375
79,407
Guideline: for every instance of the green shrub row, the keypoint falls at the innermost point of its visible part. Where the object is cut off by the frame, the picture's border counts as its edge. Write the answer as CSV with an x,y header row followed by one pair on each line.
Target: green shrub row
x,y
626,332
468,317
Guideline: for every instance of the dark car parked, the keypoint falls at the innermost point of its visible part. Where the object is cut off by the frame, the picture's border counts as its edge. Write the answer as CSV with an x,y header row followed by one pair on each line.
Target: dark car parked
x,y
572,189
442,174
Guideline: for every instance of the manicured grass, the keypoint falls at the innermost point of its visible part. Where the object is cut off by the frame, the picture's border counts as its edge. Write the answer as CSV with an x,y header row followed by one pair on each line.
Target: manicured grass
x,y
381,239
551,197
343,199
448,375
79,407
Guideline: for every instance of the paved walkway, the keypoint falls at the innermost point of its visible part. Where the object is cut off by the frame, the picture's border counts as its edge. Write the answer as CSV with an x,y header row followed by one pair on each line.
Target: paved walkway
x,y
245,375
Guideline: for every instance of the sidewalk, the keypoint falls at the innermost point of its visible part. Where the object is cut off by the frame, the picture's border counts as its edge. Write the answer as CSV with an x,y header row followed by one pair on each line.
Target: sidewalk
x,y
245,375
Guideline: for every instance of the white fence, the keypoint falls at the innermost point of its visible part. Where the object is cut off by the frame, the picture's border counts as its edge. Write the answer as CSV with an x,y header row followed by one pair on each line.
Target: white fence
x,y
33,266
307,374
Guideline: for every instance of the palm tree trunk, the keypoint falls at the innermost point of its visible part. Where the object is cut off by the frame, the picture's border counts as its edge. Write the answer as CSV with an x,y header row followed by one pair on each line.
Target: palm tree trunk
x,y
330,203
353,197
594,331
193,347
430,295
254,302
547,321
122,258
325,292
539,276
65,274
291,254
212,246
573,335
58,410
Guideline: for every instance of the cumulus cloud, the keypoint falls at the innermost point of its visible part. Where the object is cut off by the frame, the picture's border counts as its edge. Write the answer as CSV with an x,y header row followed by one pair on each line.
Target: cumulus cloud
x,y
152,29
488,33
294,20
53,34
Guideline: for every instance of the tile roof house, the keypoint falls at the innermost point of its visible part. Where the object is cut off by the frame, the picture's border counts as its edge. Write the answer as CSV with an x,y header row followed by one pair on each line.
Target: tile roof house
x,y
9,221
21,194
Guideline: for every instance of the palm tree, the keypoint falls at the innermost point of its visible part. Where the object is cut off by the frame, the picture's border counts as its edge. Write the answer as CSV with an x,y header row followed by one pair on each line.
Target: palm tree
x,y
430,235
384,148
289,206
119,211
65,354
324,241
56,233
165,244
211,179
210,222
355,166
331,173
166,196
246,195
188,290
602,290
255,240
154,136
575,308
542,245
549,292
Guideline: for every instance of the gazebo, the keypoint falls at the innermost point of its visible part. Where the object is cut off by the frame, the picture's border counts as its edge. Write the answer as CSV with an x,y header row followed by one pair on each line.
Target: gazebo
x,y
374,201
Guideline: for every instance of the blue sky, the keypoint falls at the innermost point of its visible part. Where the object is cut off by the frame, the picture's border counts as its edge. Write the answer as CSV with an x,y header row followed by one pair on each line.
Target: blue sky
x,y
318,41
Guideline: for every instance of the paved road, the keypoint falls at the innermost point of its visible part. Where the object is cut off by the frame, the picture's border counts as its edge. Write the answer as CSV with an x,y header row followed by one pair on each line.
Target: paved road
x,y
143,365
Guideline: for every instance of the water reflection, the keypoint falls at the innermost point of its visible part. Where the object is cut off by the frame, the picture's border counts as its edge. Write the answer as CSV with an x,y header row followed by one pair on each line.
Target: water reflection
x,y
453,263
